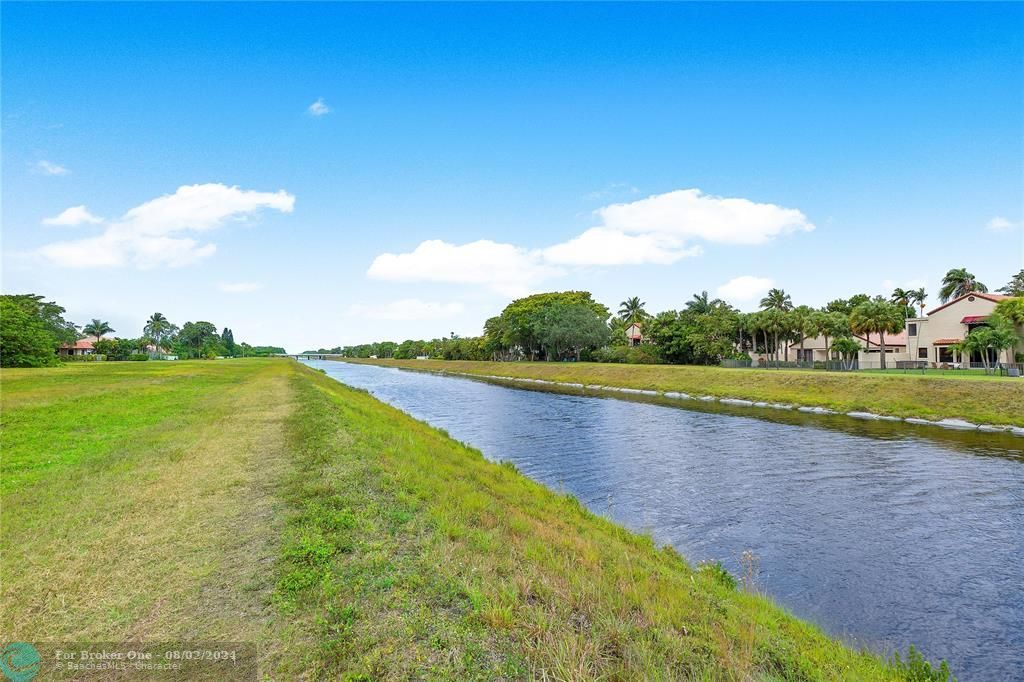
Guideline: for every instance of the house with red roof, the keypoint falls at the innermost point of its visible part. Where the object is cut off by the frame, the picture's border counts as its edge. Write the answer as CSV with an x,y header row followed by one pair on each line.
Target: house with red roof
x,y
933,338
79,347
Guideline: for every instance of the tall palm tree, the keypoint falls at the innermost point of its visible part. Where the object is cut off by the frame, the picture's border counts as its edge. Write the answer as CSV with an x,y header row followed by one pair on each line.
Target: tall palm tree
x,y
878,316
157,327
777,299
1015,287
958,282
632,310
918,297
701,304
97,328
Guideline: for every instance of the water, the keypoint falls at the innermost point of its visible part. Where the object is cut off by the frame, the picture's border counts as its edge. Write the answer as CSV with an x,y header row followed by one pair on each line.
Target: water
x,y
884,534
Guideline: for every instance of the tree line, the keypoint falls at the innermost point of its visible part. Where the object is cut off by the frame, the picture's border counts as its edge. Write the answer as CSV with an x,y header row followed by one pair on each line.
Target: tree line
x,y
32,330
571,325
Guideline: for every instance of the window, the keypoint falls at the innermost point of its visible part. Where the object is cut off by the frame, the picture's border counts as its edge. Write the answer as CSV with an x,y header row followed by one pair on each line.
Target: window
x,y
912,329
946,354
922,353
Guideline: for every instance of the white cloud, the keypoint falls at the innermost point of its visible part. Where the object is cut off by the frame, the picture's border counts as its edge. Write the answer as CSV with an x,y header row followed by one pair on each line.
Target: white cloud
x,y
505,268
604,246
239,287
1000,224
407,309
658,230
318,108
150,235
689,213
76,215
745,288
49,168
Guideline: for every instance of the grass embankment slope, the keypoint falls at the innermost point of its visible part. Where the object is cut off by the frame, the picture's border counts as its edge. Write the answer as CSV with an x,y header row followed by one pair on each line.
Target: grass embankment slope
x,y
260,501
982,400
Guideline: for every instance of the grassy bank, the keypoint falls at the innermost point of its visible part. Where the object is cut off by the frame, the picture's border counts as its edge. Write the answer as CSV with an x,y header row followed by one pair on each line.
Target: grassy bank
x,y
982,400
260,501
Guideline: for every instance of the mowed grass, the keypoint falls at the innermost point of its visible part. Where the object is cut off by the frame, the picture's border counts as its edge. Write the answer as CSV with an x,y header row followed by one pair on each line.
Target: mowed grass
x,y
260,501
982,400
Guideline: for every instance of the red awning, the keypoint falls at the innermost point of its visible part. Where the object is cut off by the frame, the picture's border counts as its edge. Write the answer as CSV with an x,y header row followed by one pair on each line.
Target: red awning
x,y
974,319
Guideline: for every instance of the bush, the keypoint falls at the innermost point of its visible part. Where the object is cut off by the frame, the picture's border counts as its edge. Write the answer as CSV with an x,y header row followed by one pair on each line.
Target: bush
x,y
916,668
138,357
633,355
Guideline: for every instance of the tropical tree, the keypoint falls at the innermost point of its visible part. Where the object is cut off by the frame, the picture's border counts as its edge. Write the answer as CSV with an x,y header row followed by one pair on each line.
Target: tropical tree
x,y
903,298
997,335
847,348
877,316
158,328
804,324
1015,287
700,304
830,326
775,322
918,297
1012,309
97,328
958,282
777,299
632,310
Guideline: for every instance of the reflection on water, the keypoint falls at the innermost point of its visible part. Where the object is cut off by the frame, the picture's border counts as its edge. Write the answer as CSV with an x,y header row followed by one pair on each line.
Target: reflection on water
x,y
884,534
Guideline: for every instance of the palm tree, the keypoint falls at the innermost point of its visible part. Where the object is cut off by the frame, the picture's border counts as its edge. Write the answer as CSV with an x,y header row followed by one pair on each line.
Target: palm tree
x,y
700,304
632,310
1015,287
777,299
804,324
157,327
847,349
97,328
878,316
918,297
958,282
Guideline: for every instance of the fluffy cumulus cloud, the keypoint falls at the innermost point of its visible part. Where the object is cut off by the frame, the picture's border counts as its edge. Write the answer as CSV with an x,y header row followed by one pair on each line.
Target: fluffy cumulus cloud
x,y
49,168
659,230
691,214
1000,224
153,234
318,108
604,246
407,309
239,287
744,288
505,268
75,215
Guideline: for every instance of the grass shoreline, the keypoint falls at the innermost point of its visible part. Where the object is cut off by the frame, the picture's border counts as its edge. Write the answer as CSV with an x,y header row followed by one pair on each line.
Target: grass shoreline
x,y
261,501
977,401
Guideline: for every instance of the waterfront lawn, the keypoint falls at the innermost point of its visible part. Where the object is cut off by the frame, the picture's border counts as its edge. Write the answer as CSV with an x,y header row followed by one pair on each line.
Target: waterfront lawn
x,y
978,399
260,501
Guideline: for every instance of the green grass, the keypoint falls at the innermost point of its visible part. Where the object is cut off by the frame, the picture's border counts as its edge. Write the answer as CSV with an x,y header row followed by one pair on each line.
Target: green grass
x,y
979,399
260,501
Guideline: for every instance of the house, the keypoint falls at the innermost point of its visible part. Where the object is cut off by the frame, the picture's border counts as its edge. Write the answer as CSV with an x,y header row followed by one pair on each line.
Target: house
x,y
929,340
79,347
633,334
932,338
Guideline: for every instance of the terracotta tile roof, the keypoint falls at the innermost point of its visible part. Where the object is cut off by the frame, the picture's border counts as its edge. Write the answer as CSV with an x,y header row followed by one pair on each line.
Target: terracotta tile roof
x,y
79,344
945,342
890,339
995,298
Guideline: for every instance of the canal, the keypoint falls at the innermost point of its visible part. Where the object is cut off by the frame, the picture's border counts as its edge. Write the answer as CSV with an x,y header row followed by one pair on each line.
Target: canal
x,y
884,534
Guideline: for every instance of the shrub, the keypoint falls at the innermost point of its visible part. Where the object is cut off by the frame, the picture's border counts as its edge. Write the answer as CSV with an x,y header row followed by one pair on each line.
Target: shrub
x,y
138,357
917,668
634,355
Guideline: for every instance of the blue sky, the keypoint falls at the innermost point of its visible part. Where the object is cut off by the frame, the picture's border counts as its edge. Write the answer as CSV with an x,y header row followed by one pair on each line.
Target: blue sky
x,y
464,154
